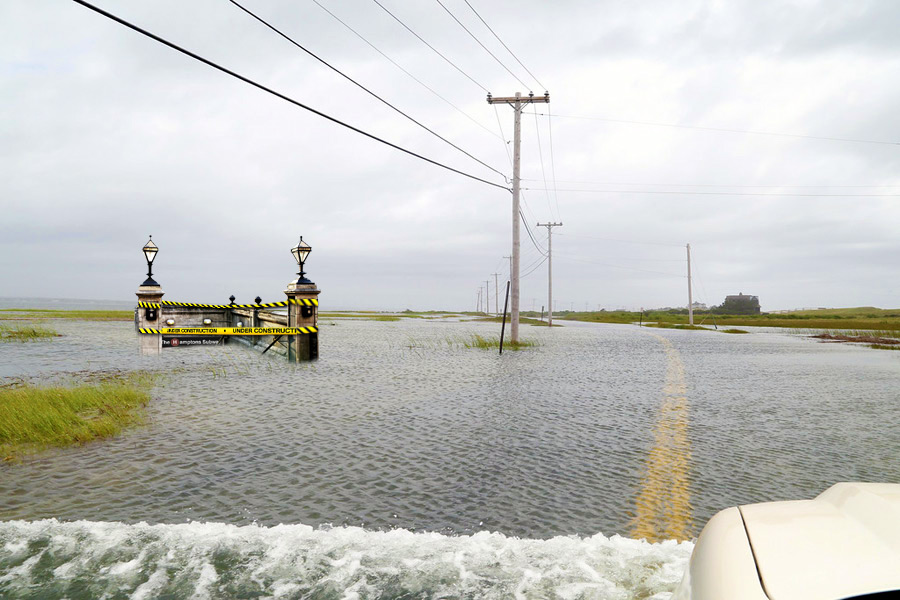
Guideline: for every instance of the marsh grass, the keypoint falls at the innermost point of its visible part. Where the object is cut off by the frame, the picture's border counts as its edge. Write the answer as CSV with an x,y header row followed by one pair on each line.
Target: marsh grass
x,y
884,346
862,318
25,333
488,343
734,331
522,321
677,326
33,418
81,315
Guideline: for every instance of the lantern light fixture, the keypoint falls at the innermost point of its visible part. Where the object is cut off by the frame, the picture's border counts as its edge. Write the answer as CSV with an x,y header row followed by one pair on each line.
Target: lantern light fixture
x,y
150,250
300,252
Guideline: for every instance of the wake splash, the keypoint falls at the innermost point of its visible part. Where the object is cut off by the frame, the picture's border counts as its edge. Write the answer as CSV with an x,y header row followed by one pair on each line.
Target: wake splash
x,y
87,559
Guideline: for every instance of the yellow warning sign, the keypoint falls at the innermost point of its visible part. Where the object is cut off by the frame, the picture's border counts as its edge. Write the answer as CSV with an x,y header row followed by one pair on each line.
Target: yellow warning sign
x,y
230,330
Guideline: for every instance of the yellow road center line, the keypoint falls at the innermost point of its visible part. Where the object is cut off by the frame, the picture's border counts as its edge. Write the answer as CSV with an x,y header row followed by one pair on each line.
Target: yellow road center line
x,y
663,505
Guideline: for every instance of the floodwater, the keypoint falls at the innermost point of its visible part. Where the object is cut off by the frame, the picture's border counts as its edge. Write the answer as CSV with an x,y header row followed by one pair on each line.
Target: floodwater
x,y
403,465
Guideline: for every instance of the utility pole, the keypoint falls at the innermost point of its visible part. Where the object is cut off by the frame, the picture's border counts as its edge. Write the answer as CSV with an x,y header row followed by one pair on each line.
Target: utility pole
x,y
550,227
496,294
478,303
487,296
690,295
517,102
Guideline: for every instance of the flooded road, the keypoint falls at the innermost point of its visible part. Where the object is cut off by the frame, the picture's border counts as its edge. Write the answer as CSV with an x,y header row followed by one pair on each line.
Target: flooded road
x,y
404,449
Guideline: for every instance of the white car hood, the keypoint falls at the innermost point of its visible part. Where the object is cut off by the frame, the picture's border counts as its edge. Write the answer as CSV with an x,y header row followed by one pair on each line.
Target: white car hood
x,y
844,543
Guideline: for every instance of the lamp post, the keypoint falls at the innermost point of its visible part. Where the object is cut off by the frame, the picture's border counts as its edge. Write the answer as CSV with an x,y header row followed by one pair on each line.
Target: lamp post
x,y
150,250
300,252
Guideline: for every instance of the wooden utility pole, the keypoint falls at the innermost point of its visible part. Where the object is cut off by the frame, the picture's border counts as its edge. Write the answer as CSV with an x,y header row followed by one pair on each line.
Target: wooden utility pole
x,y
690,292
550,227
517,102
487,296
496,294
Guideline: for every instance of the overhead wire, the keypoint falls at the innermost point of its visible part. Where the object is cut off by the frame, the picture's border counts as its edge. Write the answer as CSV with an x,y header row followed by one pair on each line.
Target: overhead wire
x,y
472,35
535,268
605,239
278,94
421,39
571,257
730,130
552,161
504,45
410,75
541,155
693,193
715,185
364,88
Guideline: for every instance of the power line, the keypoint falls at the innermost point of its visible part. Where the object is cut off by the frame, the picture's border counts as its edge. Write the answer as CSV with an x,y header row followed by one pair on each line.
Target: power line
x,y
450,62
480,44
364,88
541,154
604,239
505,46
530,234
277,94
689,193
535,268
552,161
396,64
570,257
728,130
719,185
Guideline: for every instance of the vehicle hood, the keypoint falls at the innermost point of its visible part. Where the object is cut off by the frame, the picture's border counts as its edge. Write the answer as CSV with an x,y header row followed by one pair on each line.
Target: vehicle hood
x,y
844,543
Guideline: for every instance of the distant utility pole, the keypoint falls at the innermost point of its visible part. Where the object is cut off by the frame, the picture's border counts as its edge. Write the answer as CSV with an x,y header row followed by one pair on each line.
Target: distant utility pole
x,y
478,302
517,102
550,227
487,296
496,295
690,294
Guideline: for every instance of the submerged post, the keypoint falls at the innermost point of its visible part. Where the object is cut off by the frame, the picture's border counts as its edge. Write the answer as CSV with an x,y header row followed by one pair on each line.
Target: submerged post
x,y
303,309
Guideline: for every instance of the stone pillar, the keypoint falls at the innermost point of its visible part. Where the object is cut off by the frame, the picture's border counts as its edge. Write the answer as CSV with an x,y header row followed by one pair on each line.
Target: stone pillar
x,y
149,318
304,346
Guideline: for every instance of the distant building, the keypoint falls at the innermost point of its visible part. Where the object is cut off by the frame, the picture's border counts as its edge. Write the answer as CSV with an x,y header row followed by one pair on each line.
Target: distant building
x,y
740,305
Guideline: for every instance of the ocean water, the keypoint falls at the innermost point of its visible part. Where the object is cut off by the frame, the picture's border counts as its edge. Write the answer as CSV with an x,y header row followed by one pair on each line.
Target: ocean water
x,y
403,465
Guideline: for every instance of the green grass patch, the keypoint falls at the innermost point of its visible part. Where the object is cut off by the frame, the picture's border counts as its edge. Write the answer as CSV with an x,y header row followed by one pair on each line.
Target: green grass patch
x,y
862,318
884,346
488,343
676,326
25,333
734,331
81,315
33,418
522,321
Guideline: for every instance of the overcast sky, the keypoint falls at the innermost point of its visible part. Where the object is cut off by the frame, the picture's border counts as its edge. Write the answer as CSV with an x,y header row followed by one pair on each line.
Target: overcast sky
x,y
107,136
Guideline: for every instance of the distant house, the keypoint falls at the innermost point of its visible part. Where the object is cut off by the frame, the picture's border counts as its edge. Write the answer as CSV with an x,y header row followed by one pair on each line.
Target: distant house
x,y
740,305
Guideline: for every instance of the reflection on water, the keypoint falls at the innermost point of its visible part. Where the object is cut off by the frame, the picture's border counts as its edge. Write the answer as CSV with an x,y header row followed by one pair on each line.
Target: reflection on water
x,y
600,429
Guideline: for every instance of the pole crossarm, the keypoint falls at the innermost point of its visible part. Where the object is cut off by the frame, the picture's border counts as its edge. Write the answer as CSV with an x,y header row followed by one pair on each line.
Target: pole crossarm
x,y
532,99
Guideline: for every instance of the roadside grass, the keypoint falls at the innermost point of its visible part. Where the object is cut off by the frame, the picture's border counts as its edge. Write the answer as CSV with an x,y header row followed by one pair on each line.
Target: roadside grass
x,y
884,346
677,326
734,331
8,314
25,333
488,343
522,321
861,318
34,418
